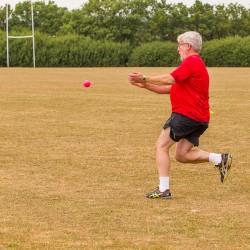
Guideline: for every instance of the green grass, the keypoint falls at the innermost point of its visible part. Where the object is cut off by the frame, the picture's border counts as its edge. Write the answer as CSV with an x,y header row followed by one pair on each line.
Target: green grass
x,y
75,164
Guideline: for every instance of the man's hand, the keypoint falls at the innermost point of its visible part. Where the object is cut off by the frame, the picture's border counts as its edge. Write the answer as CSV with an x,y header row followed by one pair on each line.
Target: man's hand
x,y
136,78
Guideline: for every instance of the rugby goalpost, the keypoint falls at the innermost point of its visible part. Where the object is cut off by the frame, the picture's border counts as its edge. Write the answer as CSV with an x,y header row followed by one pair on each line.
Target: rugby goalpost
x,y
20,37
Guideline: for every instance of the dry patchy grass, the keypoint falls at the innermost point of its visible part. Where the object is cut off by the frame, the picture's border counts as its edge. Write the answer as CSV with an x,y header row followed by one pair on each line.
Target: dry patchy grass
x,y
75,164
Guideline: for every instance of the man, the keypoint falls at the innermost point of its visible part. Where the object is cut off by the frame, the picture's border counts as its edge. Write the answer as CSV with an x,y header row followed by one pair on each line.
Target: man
x,y
188,86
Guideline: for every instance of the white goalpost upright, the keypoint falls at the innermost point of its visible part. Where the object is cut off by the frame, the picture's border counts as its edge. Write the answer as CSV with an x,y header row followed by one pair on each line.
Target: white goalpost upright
x,y
16,37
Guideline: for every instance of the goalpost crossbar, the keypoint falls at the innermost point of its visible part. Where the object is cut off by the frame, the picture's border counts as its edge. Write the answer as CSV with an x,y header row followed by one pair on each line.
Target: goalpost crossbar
x,y
20,36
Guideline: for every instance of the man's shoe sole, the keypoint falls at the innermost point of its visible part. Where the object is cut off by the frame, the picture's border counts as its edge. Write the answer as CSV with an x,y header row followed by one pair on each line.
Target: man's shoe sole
x,y
230,161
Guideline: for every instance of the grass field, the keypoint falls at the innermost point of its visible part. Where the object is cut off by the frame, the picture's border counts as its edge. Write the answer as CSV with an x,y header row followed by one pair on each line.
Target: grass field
x,y
75,164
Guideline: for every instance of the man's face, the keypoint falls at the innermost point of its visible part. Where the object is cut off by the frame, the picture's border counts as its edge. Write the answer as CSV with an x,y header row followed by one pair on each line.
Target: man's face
x,y
183,49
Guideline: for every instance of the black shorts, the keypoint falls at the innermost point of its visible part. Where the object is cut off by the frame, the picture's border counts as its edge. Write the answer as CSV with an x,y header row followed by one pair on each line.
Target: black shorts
x,y
184,127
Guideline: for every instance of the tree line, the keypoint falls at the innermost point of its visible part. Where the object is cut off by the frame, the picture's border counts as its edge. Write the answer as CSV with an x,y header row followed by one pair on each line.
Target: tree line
x,y
132,21
79,51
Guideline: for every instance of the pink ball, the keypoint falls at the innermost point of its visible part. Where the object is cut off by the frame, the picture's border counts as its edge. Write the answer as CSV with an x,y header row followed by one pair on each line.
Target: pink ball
x,y
86,83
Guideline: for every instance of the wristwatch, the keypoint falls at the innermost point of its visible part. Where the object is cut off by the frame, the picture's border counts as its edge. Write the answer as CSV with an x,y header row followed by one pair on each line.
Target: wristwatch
x,y
144,78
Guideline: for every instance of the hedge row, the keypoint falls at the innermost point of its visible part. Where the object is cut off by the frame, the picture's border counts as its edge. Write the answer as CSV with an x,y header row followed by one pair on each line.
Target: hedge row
x,y
65,51
76,51
229,52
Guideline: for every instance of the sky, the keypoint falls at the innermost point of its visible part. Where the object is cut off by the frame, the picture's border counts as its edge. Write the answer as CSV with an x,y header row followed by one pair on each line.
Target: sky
x,y
76,4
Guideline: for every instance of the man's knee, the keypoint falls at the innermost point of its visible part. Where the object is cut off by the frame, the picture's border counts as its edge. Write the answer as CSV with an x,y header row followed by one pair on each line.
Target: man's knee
x,y
164,142
180,157
159,145
163,145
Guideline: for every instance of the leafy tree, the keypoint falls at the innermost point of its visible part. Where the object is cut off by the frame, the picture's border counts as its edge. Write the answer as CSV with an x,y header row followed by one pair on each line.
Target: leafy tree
x,y
239,19
47,18
133,21
112,20
201,19
175,21
221,26
3,17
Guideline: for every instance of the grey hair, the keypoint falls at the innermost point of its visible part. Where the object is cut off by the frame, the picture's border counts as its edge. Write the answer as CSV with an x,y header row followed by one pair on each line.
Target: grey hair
x,y
193,38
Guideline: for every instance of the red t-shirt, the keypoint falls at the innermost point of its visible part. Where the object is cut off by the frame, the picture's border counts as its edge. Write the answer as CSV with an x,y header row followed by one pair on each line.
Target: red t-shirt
x,y
189,95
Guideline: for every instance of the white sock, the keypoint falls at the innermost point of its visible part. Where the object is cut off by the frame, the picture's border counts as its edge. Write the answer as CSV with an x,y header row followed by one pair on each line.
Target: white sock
x,y
215,158
164,183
